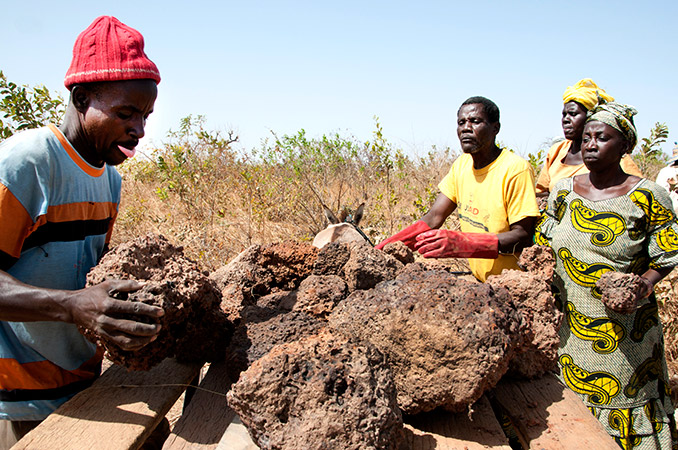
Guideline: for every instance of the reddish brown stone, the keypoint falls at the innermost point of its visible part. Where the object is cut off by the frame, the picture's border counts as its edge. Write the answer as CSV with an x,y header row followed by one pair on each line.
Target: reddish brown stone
x,y
539,260
321,392
193,327
262,269
537,349
282,301
289,262
399,251
261,329
318,295
446,340
331,259
233,300
367,266
244,271
619,291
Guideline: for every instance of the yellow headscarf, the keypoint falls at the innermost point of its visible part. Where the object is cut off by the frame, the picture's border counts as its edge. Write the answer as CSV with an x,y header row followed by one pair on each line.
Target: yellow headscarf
x,y
585,92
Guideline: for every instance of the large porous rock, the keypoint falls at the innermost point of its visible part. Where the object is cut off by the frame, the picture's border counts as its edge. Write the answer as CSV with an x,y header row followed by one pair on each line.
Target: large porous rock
x,y
234,299
261,329
331,259
265,268
619,291
399,251
538,259
322,392
193,328
446,340
282,301
245,272
537,350
367,266
358,263
319,294
289,262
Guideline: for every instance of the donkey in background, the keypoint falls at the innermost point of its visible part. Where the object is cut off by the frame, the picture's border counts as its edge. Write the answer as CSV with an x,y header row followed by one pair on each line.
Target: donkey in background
x,y
343,229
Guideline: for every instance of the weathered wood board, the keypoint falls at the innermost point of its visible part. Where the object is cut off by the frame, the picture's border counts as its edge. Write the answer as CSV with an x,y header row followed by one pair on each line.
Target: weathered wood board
x,y
207,415
548,415
113,414
442,430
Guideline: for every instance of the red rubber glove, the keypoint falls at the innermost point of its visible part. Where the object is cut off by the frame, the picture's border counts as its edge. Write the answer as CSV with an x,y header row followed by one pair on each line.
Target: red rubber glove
x,y
455,244
407,235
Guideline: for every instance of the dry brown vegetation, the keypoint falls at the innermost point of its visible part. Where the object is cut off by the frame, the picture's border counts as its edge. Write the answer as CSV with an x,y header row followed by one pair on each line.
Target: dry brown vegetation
x,y
200,192
667,297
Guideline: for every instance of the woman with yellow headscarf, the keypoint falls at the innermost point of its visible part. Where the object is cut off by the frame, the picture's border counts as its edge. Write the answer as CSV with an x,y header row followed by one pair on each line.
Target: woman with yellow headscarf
x,y
564,158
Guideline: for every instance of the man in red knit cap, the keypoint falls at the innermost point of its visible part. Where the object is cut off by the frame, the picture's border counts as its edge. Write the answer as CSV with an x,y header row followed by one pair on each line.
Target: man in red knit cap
x,y
59,197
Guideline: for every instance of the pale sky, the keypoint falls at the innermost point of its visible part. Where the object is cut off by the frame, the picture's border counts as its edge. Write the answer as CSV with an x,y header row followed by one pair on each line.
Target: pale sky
x,y
279,66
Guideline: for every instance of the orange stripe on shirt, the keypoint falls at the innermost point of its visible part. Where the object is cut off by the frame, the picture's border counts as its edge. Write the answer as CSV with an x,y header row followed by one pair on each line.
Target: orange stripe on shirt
x,y
75,156
81,211
13,212
44,374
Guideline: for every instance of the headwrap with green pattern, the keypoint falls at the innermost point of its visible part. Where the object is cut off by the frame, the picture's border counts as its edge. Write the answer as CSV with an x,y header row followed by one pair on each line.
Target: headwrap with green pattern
x,y
618,116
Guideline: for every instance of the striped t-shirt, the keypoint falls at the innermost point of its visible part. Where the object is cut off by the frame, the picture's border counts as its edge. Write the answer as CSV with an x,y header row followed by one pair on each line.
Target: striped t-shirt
x,y
56,216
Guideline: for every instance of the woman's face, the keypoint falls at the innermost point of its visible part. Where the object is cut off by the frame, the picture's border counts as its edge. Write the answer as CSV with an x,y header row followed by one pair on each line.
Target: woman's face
x,y
602,147
574,118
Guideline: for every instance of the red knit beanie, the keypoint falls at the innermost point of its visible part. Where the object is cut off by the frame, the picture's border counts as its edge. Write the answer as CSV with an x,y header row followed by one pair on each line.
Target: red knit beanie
x,y
109,50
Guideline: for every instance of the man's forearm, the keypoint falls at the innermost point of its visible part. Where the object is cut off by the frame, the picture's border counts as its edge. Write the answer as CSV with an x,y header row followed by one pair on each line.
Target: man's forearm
x,y
510,242
518,237
20,302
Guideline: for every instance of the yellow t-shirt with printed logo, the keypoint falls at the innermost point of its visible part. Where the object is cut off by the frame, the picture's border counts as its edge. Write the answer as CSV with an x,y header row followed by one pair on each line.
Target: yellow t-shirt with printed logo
x,y
489,200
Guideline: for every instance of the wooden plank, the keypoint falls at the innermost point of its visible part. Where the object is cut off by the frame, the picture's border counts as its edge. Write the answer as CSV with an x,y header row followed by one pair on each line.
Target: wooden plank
x,y
442,430
237,437
117,412
207,416
546,413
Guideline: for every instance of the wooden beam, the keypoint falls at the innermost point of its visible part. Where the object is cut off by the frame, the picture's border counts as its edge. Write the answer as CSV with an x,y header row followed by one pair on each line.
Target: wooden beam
x,y
237,437
118,411
441,430
549,415
207,416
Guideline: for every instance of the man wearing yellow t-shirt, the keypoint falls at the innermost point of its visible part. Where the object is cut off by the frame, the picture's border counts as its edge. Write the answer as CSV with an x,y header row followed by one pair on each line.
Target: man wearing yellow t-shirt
x,y
493,190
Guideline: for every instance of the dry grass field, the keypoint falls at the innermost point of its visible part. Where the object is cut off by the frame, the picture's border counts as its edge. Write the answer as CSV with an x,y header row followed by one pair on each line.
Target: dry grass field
x,y
216,201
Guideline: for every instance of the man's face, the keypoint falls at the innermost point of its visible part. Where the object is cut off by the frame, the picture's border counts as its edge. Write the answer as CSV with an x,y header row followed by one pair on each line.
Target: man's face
x,y
115,118
474,129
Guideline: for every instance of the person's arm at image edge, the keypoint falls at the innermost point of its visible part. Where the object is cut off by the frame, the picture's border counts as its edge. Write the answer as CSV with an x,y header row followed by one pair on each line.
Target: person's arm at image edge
x,y
91,307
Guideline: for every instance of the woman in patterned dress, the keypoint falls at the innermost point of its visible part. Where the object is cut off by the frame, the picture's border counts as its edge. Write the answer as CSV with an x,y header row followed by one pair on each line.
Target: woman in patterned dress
x,y
608,220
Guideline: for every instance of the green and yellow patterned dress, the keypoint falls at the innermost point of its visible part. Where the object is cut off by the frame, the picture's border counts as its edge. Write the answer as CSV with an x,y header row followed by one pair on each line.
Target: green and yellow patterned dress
x,y
615,362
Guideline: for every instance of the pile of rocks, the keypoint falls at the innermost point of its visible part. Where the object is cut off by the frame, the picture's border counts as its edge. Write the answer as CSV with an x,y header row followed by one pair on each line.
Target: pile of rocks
x,y
193,328
444,340
332,346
